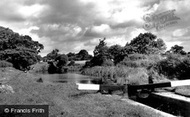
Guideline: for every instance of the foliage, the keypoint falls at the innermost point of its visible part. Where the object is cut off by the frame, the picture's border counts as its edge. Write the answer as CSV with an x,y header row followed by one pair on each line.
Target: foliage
x,y
59,65
5,64
176,49
61,60
40,67
82,55
115,52
147,43
71,56
118,75
101,54
75,68
175,66
135,64
52,55
108,63
52,68
136,60
72,62
134,57
19,50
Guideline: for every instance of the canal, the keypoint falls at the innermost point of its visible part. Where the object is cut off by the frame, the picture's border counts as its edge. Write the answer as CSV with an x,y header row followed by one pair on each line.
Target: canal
x,y
69,77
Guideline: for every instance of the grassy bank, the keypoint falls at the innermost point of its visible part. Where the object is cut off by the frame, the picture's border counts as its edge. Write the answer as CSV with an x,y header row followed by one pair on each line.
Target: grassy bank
x,y
65,100
119,75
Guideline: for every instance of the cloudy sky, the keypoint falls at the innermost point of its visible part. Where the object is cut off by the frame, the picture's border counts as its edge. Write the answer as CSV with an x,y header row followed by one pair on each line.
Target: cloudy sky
x,y
72,25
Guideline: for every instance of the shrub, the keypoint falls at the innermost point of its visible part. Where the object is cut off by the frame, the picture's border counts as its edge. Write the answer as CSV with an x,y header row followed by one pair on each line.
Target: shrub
x,y
88,64
62,60
40,67
75,68
184,69
137,63
134,57
154,57
108,63
5,64
118,75
72,62
175,66
137,76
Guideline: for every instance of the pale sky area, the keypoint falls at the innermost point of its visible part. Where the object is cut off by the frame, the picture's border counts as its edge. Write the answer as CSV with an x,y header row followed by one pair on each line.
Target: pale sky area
x,y
72,25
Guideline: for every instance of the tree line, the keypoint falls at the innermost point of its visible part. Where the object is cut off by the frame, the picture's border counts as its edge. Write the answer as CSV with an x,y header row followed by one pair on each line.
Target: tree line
x,y
21,51
145,44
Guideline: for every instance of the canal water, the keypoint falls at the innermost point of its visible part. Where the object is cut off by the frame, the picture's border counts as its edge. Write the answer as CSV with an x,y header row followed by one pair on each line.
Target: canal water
x,y
70,77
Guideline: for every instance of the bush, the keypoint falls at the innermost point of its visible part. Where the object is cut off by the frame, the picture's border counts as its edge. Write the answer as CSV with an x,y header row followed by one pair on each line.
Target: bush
x,y
5,64
137,76
75,68
154,57
135,64
137,60
40,67
118,75
108,63
134,57
62,60
72,62
175,66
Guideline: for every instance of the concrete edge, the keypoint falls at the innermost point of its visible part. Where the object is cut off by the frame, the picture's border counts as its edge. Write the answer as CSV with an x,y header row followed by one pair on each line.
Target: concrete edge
x,y
164,114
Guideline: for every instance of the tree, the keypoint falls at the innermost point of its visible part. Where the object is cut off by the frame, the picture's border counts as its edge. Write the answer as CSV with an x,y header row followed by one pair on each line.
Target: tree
x,y
58,65
115,52
98,49
83,55
71,56
176,49
147,43
61,60
17,49
53,54
101,53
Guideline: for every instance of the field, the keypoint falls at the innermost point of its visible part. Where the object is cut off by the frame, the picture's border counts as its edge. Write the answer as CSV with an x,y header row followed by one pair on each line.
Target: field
x,y
63,99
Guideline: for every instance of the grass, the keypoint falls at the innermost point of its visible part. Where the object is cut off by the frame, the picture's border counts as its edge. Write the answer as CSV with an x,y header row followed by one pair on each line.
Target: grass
x,y
119,75
40,67
5,64
65,100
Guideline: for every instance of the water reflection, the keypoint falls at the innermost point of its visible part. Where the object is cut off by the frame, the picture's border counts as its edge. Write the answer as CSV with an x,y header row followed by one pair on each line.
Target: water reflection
x,y
70,77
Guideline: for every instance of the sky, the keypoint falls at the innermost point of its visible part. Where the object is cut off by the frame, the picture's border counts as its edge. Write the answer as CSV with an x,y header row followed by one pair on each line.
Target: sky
x,y
72,25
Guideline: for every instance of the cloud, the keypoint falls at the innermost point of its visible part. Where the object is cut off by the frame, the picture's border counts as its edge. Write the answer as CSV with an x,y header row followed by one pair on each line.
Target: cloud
x,y
179,32
71,25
